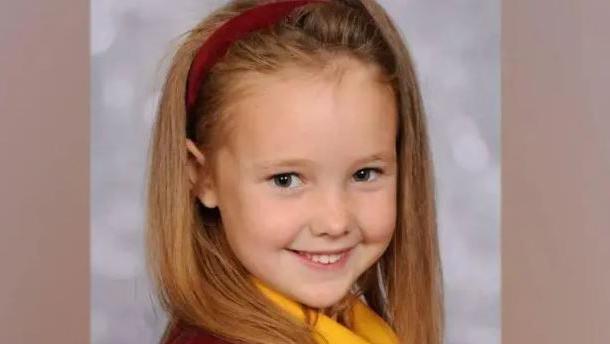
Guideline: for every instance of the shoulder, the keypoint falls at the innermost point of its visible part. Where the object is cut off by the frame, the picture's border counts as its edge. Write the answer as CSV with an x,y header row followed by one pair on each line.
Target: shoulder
x,y
183,334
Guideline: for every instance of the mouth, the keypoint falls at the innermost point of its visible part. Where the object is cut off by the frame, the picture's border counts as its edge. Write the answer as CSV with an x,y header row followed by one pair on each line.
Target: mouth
x,y
324,259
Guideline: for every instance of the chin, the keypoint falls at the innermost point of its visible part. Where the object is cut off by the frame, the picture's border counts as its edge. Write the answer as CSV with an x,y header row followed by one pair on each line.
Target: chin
x,y
321,298
320,303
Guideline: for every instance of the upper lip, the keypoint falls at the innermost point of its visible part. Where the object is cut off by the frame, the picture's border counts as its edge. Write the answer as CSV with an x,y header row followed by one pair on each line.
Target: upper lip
x,y
325,252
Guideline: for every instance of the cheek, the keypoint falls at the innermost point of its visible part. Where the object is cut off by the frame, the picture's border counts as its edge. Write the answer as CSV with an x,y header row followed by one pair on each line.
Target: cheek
x,y
277,220
378,216
264,221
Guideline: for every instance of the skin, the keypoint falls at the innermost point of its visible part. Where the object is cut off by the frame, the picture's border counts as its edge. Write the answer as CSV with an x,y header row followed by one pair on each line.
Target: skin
x,y
333,197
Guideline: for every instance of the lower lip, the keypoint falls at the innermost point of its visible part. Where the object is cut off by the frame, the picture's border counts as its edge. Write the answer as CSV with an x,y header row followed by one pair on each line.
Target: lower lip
x,y
324,267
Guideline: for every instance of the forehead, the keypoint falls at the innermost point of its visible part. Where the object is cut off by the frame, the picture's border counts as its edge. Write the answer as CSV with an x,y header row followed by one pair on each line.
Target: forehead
x,y
294,113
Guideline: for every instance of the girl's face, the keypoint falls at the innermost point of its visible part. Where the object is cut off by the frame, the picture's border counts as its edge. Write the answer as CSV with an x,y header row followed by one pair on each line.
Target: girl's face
x,y
306,182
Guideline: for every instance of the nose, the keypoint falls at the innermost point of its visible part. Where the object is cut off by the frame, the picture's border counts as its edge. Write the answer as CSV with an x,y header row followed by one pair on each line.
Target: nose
x,y
334,217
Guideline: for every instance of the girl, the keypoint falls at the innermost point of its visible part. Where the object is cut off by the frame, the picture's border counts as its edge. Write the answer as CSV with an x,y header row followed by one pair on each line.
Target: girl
x,y
290,191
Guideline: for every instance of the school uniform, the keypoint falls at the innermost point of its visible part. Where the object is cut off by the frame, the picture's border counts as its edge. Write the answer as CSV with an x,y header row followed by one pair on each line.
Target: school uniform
x,y
182,334
368,327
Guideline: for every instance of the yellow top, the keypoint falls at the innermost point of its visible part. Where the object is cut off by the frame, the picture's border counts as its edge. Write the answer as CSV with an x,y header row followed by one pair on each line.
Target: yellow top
x,y
368,327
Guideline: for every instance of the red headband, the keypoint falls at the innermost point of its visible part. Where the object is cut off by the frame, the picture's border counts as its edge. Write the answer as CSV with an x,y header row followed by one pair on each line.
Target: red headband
x,y
233,30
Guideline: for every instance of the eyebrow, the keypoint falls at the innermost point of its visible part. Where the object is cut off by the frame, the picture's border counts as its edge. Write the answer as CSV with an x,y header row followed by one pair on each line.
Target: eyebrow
x,y
385,157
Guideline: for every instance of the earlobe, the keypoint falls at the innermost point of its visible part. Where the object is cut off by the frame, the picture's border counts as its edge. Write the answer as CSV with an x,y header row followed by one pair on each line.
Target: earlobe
x,y
208,198
202,188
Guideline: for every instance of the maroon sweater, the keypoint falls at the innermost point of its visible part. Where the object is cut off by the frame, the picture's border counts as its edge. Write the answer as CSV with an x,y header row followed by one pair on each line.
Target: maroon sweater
x,y
184,334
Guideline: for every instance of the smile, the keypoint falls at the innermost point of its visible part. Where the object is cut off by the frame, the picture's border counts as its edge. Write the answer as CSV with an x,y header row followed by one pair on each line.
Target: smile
x,y
319,259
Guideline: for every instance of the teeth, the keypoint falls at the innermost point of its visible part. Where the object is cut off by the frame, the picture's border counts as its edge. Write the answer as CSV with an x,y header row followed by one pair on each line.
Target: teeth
x,y
324,259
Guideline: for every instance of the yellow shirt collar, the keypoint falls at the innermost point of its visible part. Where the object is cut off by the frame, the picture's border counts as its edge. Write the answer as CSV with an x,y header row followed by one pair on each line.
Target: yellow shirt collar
x,y
368,327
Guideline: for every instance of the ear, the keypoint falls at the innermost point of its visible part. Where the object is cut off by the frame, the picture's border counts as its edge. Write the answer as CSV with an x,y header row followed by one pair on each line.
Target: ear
x,y
202,184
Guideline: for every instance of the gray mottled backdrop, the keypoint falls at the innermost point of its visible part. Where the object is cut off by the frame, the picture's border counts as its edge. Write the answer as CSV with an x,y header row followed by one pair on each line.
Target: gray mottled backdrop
x,y
455,45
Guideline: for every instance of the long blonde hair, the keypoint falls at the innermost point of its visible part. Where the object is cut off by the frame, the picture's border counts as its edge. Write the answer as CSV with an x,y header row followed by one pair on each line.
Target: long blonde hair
x,y
198,279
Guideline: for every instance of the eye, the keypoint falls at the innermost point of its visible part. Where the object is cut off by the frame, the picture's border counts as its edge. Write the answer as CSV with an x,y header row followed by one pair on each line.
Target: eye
x,y
365,173
285,180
